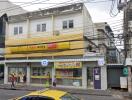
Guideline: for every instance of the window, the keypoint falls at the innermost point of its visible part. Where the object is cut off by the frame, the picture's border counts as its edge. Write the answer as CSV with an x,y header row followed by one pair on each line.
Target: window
x,y
68,24
20,30
41,27
65,24
15,30
36,98
38,28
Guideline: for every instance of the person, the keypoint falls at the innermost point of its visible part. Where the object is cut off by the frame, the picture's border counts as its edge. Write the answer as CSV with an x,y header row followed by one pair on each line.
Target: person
x,y
47,84
12,79
54,81
24,78
48,75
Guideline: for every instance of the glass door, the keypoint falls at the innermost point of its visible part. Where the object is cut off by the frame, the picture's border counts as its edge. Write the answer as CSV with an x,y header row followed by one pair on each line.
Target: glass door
x,y
90,81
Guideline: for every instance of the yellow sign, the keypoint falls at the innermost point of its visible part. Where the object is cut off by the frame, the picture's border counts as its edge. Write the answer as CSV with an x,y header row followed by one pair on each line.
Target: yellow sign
x,y
67,65
40,47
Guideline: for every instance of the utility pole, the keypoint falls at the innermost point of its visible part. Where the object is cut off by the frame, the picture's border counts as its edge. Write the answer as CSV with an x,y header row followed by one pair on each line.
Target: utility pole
x,y
126,6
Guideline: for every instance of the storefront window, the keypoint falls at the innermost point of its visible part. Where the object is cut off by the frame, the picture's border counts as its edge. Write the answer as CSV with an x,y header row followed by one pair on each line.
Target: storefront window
x,y
40,75
19,73
69,77
69,73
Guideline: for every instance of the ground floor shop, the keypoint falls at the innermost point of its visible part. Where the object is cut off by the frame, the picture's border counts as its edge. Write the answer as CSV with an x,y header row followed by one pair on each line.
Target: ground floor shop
x,y
114,72
69,73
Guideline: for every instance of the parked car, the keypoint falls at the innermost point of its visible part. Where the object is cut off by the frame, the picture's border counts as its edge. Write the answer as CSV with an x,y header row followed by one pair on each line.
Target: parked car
x,y
48,95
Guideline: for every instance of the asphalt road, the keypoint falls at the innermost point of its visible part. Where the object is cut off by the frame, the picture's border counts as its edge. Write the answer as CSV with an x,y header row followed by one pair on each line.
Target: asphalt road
x,y
8,94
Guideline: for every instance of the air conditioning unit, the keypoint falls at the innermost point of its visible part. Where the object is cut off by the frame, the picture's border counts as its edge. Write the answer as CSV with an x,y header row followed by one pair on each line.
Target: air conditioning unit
x,y
56,32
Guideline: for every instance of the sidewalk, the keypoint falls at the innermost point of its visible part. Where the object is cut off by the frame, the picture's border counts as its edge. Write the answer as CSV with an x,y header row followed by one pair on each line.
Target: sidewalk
x,y
71,90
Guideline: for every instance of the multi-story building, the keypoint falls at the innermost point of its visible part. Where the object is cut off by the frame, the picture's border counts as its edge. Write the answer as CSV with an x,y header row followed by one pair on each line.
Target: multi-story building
x,y
6,9
61,36
105,38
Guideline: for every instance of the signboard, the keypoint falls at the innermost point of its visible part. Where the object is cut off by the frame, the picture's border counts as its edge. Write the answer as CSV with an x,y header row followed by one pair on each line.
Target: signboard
x,y
101,62
67,65
125,71
41,47
44,62
123,82
128,61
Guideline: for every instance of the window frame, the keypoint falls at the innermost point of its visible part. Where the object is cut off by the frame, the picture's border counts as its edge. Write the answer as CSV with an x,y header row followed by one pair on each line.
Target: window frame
x,y
65,25
68,24
16,31
38,28
20,30
71,24
41,27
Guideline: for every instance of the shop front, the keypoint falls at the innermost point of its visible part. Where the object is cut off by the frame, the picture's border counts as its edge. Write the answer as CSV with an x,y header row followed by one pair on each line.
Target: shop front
x,y
68,73
77,73
41,74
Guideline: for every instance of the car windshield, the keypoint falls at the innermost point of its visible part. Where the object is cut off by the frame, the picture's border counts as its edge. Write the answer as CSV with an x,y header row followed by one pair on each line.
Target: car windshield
x,y
69,97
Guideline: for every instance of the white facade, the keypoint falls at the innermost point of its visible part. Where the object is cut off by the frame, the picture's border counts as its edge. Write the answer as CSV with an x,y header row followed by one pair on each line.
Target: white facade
x,y
76,21
55,24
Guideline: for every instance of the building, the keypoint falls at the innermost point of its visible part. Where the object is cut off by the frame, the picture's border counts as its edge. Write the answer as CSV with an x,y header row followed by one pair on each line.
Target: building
x,y
6,9
59,36
105,38
128,40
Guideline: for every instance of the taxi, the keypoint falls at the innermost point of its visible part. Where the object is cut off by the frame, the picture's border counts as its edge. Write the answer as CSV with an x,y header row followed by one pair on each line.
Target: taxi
x,y
48,95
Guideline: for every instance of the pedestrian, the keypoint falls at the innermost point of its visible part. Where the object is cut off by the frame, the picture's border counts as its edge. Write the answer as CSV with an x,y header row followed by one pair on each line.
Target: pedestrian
x,y
54,81
24,78
48,75
12,79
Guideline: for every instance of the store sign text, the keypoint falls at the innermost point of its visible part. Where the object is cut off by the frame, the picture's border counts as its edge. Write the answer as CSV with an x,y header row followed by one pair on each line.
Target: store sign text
x,y
41,47
64,65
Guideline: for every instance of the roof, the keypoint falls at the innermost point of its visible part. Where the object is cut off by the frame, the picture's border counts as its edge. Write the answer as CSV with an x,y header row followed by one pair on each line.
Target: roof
x,y
56,94
67,9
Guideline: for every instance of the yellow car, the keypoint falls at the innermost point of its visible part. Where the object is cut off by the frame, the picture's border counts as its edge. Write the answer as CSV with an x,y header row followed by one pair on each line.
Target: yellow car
x,y
48,95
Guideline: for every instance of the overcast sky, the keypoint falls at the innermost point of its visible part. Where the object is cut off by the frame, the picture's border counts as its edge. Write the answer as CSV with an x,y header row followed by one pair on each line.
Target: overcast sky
x,y
99,10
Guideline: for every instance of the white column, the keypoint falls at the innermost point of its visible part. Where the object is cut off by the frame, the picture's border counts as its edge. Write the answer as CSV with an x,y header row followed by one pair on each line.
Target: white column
x,y
129,79
28,75
103,78
5,74
28,28
84,77
53,73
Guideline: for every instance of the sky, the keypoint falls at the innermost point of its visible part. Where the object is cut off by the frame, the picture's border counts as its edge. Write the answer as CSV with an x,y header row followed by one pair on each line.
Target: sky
x,y
98,9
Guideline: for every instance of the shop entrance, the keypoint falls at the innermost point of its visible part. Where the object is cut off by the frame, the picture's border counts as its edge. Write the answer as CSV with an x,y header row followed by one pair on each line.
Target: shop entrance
x,y
90,80
1,74
18,73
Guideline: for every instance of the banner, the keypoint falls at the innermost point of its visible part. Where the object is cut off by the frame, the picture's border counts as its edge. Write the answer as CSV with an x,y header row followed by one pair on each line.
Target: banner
x,y
67,65
40,47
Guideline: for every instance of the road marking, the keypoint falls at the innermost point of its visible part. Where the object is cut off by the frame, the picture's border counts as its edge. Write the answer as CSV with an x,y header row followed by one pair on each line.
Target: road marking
x,y
118,97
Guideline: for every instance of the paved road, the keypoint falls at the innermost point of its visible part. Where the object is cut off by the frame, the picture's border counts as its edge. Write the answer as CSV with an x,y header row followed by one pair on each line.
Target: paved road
x,y
8,94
